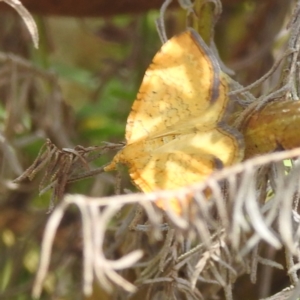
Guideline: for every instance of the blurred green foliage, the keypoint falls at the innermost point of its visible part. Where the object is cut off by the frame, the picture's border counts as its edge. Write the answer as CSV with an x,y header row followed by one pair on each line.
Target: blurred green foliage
x,y
99,64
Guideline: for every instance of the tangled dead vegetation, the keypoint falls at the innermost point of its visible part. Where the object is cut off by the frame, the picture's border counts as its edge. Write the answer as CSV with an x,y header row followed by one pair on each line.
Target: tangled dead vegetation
x,y
196,254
